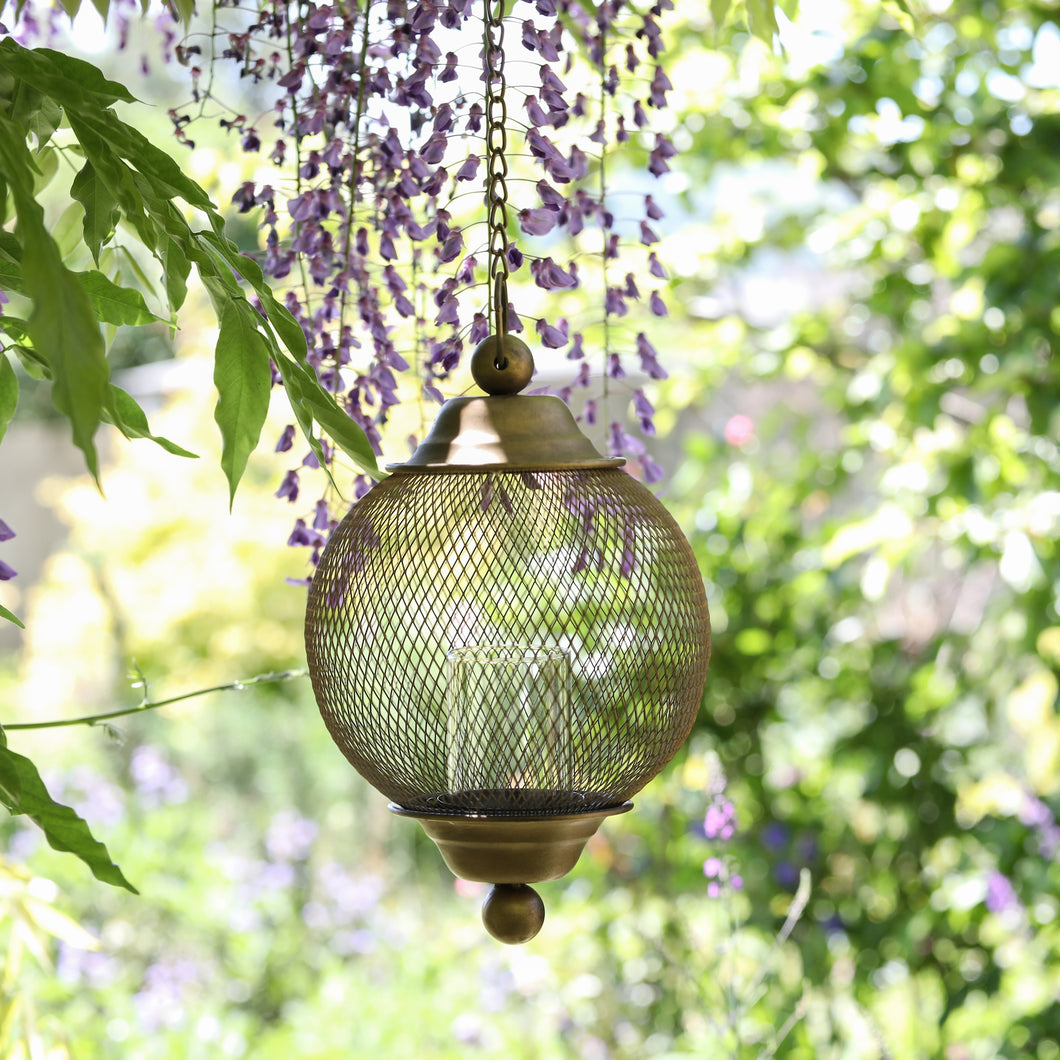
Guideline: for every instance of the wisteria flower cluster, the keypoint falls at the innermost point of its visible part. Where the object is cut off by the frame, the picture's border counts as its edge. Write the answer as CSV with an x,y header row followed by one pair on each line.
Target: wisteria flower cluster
x,y
369,195
373,224
7,572
719,827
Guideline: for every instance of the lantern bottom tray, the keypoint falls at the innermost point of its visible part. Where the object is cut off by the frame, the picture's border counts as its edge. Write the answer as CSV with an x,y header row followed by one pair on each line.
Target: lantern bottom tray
x,y
487,849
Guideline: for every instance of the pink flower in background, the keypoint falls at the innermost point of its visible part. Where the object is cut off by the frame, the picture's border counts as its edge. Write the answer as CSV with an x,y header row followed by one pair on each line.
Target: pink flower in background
x,y
739,430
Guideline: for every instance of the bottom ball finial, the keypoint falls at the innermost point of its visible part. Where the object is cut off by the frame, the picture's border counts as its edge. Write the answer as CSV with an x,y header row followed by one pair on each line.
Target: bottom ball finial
x,y
513,912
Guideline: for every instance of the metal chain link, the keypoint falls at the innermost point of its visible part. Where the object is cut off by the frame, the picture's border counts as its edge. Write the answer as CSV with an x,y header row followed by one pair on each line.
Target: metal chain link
x,y
496,162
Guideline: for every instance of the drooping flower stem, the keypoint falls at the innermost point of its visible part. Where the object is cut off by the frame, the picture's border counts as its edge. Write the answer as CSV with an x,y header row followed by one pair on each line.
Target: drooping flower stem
x,y
605,232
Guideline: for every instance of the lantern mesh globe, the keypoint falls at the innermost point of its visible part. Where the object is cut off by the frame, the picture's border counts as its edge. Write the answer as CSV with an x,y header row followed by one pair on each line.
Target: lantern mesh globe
x,y
509,625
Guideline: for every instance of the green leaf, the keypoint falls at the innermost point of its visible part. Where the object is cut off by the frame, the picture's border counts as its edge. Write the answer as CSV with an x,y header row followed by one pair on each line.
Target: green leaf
x,y
341,429
34,110
62,827
719,10
101,208
762,19
130,262
34,364
10,275
114,304
243,380
67,231
131,420
11,617
45,164
62,326
10,782
119,180
62,77
287,328
185,9
175,268
902,13
10,263
8,394
310,396
160,171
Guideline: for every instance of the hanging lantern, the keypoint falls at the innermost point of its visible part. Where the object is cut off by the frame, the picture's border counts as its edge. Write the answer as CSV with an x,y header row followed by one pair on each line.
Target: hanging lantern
x,y
509,636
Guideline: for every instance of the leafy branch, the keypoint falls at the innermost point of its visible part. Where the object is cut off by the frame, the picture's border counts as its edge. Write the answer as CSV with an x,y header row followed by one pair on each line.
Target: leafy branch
x,y
22,790
126,180
95,719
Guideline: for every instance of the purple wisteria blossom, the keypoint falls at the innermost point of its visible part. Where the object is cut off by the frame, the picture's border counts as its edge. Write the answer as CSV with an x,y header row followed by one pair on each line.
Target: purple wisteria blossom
x,y
1001,896
540,221
157,781
7,572
554,336
380,158
720,820
286,441
288,490
719,876
1037,816
718,828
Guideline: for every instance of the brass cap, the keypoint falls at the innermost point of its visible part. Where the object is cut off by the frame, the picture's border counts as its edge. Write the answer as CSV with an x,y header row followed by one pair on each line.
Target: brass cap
x,y
509,432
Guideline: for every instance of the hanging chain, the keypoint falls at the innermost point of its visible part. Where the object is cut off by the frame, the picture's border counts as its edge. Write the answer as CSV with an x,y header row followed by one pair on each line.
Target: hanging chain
x,y
496,162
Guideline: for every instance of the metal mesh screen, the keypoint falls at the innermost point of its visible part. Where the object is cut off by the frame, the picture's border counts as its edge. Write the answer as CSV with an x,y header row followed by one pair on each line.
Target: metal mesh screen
x,y
586,561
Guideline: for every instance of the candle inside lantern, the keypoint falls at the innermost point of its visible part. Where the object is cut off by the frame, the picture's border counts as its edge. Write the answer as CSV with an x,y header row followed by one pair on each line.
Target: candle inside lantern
x,y
509,731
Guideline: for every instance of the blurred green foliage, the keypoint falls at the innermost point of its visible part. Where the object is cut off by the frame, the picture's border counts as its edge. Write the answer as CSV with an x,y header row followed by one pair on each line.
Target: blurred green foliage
x,y
883,550
870,476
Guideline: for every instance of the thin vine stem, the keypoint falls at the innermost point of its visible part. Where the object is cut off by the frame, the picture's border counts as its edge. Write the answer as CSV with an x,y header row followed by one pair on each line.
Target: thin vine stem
x,y
93,719
605,235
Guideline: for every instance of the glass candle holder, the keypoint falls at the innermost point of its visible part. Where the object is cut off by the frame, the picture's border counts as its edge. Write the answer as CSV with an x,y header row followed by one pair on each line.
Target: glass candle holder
x,y
509,732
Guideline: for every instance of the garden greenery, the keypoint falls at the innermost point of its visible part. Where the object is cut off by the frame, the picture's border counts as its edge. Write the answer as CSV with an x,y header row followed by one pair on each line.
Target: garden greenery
x,y
870,471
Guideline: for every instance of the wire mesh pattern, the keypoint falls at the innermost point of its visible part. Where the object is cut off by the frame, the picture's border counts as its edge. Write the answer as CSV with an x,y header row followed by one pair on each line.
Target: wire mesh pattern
x,y
587,562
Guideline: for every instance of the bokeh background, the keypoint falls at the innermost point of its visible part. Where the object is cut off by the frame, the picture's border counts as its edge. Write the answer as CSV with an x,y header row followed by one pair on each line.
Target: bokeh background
x,y
856,854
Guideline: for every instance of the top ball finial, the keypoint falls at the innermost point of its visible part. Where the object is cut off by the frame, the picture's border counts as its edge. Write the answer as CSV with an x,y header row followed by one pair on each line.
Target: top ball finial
x,y
502,364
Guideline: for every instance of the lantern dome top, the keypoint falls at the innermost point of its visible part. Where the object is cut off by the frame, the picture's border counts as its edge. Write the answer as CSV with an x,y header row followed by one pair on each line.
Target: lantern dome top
x,y
511,432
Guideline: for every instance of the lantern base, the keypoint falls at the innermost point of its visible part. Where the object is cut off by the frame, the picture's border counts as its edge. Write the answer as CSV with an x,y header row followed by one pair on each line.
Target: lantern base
x,y
511,849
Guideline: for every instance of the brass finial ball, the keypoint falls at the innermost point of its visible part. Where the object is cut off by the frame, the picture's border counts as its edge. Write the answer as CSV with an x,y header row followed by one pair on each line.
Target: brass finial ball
x,y
513,912
502,364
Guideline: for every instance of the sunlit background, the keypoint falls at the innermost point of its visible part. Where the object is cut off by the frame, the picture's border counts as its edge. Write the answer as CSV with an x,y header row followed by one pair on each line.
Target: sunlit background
x,y
856,854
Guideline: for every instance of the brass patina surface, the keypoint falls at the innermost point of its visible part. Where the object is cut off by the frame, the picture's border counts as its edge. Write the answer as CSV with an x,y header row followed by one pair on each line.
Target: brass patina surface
x,y
513,431
502,364
513,913
511,849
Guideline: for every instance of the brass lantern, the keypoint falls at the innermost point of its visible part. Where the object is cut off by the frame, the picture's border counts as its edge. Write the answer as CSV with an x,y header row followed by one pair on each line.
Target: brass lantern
x,y
508,637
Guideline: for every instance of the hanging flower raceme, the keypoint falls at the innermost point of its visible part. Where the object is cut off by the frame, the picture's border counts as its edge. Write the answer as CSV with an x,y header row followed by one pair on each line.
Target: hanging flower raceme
x,y
366,155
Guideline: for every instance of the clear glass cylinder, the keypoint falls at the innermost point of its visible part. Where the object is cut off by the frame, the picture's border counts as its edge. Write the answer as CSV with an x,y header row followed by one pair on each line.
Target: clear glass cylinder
x,y
509,737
